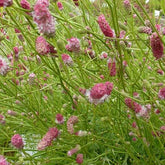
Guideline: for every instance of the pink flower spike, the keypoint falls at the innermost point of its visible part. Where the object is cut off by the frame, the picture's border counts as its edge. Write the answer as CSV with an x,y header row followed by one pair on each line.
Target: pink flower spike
x,y
67,59
42,46
157,46
74,150
25,4
59,119
161,93
79,158
112,67
104,26
71,121
17,141
6,3
60,6
3,161
48,138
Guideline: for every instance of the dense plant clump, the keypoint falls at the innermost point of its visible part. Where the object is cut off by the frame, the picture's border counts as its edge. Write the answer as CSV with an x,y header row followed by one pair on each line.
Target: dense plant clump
x,y
82,82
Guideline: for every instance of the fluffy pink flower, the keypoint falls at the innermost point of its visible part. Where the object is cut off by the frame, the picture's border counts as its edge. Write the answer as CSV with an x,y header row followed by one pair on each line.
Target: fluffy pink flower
x,y
4,67
6,3
161,93
59,119
67,59
42,46
74,150
73,45
127,4
17,141
70,123
11,113
48,138
112,67
3,161
145,29
100,92
25,4
43,18
157,46
60,6
104,26
79,158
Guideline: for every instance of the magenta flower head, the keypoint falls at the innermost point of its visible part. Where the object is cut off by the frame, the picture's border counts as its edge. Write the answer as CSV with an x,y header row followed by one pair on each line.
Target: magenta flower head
x,y
3,161
112,67
100,92
25,4
60,6
74,150
157,46
67,59
48,138
70,123
6,3
104,26
79,158
42,46
161,93
59,119
73,45
133,105
4,67
17,141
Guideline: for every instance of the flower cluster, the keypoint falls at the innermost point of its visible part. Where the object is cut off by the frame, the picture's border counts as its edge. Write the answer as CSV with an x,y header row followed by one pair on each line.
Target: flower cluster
x,y
48,138
3,161
43,18
100,92
157,46
17,141
71,121
4,67
73,45
6,3
104,26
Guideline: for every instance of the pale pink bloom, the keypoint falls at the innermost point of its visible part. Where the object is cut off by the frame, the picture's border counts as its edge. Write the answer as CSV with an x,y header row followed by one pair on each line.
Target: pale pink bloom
x,y
163,31
70,123
11,113
42,46
4,66
67,59
79,158
136,95
2,119
60,6
48,138
100,92
17,141
74,150
145,29
31,79
127,4
163,129
43,18
158,27
112,67
104,26
81,133
159,71
157,46
59,119
161,93
73,45
3,161
134,125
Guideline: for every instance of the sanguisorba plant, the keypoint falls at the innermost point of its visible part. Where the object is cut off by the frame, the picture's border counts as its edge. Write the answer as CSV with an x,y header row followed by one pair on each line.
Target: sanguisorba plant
x,y
82,82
